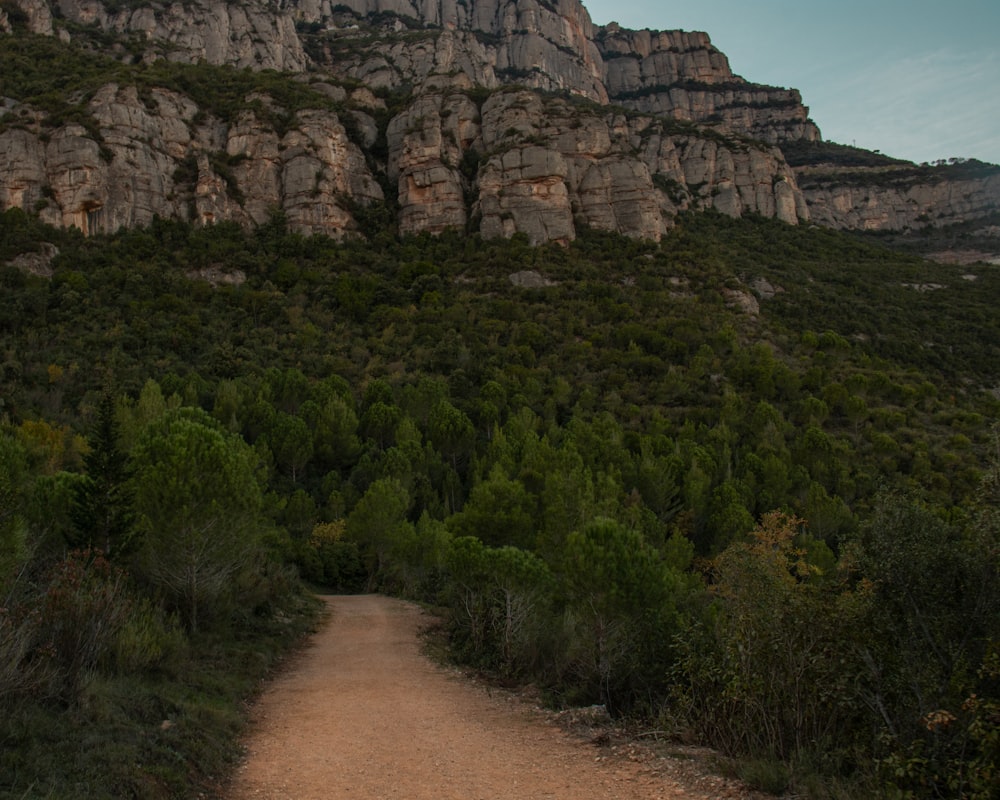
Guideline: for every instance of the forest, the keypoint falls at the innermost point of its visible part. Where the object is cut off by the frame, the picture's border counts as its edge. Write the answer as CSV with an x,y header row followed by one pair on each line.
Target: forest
x,y
742,485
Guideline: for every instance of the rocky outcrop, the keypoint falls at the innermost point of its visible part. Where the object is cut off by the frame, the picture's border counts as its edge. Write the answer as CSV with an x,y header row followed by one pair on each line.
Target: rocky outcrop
x,y
38,262
37,15
643,59
898,198
552,48
521,164
161,157
727,175
427,145
427,60
508,116
246,34
475,42
415,43
517,163
681,75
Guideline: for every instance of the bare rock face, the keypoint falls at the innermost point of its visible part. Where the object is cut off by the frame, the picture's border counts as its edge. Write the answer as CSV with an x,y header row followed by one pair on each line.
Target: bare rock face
x,y
247,34
742,301
155,159
683,76
427,144
517,164
543,45
38,263
38,15
895,199
554,166
525,191
531,279
218,276
725,175
642,59
320,165
428,59
509,116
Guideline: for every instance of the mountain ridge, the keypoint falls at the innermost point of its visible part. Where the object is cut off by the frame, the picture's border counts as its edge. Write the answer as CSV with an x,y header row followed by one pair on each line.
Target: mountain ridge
x,y
493,116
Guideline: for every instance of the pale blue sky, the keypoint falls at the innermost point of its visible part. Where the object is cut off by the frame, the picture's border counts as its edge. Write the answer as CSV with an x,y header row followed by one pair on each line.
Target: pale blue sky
x,y
915,79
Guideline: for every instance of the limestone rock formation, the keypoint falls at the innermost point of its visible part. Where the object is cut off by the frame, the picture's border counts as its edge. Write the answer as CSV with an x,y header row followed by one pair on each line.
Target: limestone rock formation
x,y
520,164
37,263
239,34
168,161
38,16
494,116
537,43
893,199
427,143
681,75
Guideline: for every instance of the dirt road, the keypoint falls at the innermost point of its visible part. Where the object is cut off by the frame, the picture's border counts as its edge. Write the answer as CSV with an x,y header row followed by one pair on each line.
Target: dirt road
x,y
364,715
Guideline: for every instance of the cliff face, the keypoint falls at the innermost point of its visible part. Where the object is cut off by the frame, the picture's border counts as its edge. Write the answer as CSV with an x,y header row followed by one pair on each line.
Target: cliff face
x,y
553,47
512,164
537,43
899,198
543,168
682,76
239,34
507,116
170,161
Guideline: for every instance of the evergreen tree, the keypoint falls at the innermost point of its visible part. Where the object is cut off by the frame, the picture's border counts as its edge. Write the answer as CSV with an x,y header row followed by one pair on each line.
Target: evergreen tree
x,y
198,497
102,502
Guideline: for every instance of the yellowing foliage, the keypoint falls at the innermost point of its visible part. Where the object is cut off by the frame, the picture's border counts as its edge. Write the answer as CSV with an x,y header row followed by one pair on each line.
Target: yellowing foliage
x,y
326,533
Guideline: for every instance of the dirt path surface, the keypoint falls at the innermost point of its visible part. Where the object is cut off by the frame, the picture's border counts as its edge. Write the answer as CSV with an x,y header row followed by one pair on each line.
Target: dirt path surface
x,y
363,715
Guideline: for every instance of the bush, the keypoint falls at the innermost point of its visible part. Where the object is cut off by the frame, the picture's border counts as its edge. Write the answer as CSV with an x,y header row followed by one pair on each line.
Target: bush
x,y
22,673
146,638
767,671
326,560
83,611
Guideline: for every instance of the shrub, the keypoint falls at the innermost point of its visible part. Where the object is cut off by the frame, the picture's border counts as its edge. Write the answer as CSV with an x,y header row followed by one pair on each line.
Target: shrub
x,y
146,637
84,609
22,673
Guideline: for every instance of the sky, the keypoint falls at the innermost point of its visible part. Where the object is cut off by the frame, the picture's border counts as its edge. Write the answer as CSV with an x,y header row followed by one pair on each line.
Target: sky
x,y
914,79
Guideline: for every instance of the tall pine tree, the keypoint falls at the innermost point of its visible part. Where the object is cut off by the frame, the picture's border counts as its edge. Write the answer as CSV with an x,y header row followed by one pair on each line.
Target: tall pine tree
x,y
102,502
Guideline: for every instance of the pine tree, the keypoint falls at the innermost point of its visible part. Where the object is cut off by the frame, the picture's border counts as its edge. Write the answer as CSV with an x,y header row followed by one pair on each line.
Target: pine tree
x,y
102,502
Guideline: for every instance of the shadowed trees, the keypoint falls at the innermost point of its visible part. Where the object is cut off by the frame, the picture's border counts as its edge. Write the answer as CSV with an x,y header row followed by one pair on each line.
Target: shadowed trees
x,y
198,501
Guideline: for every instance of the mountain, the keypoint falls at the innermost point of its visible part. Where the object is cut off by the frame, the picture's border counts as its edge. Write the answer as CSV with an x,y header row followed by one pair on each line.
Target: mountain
x,y
493,116
775,441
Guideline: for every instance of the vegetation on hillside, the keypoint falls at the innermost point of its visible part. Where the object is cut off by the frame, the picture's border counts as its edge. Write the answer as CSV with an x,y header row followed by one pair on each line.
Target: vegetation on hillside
x,y
802,153
772,532
976,236
60,79
743,484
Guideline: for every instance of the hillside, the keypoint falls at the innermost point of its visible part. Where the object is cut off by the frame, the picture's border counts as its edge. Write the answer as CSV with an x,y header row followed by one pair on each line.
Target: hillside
x,y
397,399
416,414
568,332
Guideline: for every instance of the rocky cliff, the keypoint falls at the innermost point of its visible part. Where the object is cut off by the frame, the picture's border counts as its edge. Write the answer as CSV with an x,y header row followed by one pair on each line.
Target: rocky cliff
x,y
161,156
508,163
498,116
681,75
535,43
900,197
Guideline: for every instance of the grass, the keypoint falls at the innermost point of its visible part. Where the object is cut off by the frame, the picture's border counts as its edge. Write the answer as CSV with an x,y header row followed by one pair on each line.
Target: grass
x,y
170,734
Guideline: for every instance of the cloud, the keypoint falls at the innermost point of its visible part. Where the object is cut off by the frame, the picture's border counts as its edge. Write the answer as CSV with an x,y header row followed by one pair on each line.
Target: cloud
x,y
921,107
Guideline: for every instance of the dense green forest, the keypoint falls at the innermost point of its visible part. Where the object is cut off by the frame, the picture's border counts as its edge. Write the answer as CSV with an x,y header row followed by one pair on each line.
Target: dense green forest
x,y
743,484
